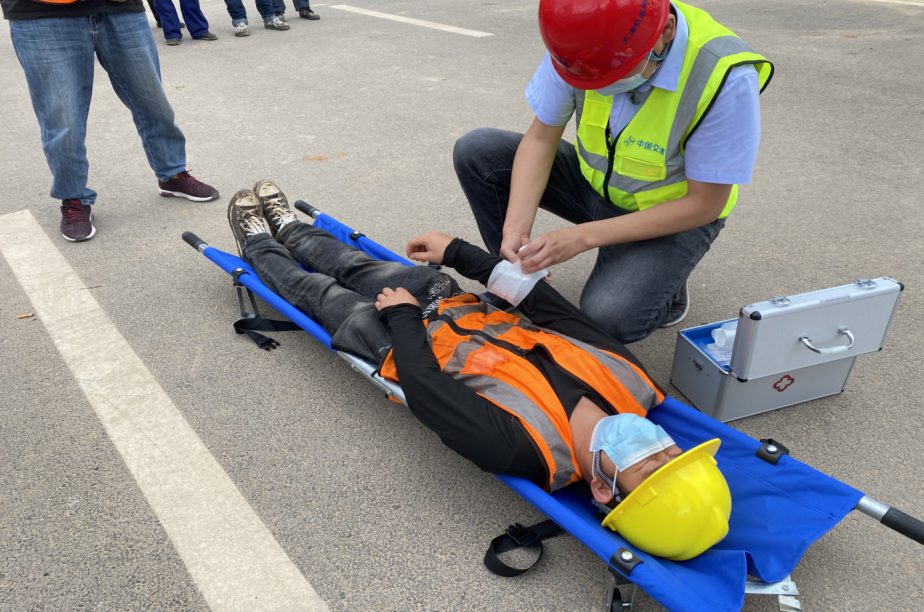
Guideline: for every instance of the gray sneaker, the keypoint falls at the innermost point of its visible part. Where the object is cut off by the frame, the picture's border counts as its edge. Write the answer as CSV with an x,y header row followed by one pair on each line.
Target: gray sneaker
x,y
680,306
275,24
275,205
241,29
246,217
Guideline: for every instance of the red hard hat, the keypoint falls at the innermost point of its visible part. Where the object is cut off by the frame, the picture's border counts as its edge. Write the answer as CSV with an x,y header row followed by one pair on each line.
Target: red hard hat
x,y
594,43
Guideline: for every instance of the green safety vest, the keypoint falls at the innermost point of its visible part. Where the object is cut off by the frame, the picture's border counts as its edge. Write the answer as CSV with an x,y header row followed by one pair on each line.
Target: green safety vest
x,y
643,165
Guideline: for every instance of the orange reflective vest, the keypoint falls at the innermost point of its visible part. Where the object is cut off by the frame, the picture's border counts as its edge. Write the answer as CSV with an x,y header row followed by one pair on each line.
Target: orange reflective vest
x,y
485,347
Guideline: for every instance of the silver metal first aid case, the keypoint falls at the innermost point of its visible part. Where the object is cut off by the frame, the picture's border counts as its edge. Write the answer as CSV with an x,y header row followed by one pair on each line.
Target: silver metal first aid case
x,y
786,350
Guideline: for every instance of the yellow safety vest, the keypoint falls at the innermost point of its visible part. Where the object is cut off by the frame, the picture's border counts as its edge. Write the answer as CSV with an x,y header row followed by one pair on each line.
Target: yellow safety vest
x,y
644,165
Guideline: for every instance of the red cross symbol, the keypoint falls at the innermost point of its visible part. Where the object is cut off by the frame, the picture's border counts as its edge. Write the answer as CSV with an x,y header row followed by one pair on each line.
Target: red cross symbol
x,y
783,383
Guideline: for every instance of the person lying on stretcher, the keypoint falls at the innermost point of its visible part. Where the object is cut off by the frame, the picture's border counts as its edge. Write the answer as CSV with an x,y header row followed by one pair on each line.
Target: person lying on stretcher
x,y
552,399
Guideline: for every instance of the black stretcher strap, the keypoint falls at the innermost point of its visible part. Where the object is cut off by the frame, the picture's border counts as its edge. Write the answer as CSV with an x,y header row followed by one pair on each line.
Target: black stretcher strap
x,y
517,536
252,326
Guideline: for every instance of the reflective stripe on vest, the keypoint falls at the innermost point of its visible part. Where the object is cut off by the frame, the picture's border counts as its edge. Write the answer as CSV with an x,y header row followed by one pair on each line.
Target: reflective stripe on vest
x,y
485,351
648,163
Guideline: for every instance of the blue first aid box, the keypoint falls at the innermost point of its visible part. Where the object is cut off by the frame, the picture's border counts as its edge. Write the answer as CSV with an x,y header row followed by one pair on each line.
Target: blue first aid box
x,y
786,350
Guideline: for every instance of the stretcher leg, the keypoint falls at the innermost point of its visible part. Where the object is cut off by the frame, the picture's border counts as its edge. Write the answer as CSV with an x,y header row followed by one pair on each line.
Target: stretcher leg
x,y
620,593
785,590
253,312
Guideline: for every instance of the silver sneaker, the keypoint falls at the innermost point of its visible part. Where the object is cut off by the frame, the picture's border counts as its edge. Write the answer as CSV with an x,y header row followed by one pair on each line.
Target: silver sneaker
x,y
276,210
276,24
241,29
680,306
245,214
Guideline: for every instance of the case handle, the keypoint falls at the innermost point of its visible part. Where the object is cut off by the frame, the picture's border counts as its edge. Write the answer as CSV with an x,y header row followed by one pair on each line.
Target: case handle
x,y
829,351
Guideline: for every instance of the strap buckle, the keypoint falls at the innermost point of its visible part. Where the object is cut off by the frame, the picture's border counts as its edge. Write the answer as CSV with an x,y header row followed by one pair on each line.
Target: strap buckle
x,y
524,536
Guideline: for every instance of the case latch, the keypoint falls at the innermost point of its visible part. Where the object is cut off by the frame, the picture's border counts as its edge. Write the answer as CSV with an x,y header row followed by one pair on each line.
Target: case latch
x,y
779,300
865,283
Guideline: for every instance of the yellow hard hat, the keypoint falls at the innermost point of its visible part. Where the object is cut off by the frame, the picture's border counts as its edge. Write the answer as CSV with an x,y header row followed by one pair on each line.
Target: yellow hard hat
x,y
679,511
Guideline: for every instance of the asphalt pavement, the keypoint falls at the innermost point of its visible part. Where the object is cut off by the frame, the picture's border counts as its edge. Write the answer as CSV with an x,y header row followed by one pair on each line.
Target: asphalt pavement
x,y
358,115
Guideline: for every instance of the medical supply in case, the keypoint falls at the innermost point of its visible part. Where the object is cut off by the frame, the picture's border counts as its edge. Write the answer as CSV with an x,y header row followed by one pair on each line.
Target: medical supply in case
x,y
786,350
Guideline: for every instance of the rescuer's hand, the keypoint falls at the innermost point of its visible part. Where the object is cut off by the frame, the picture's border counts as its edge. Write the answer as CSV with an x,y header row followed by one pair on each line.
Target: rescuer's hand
x,y
393,297
428,247
551,248
511,244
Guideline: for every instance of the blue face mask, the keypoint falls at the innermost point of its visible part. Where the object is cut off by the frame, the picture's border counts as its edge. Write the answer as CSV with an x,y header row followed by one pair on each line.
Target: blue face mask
x,y
626,439
635,81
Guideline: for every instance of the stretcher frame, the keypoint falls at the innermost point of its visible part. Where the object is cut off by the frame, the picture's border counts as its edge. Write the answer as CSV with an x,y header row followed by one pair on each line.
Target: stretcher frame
x,y
619,563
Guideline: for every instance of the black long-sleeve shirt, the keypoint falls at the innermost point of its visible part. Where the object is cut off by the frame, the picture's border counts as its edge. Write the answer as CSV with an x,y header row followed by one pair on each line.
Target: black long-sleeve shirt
x,y
466,422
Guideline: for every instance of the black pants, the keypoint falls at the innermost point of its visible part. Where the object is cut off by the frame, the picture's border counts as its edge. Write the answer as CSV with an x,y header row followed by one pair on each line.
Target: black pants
x,y
340,293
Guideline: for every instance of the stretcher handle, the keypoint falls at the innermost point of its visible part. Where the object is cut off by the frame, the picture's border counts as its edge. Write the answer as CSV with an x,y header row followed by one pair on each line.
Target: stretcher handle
x,y
307,208
194,241
908,526
893,518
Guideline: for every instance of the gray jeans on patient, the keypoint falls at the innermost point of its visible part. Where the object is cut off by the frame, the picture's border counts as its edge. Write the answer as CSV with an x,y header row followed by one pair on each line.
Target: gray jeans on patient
x,y
630,288
340,293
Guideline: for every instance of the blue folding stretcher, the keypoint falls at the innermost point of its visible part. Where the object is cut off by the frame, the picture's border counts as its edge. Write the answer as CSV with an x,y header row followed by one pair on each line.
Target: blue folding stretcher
x,y
779,505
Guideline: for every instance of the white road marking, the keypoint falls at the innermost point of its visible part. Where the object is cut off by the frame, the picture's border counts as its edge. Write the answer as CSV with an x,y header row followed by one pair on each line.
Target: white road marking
x,y
426,24
230,554
906,2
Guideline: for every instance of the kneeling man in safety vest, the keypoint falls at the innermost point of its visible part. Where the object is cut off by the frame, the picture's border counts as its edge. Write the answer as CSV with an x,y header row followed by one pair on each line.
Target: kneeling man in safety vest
x,y
668,124
553,399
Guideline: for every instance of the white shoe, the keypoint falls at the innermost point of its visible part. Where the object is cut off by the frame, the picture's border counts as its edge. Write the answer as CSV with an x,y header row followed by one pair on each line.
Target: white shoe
x,y
241,29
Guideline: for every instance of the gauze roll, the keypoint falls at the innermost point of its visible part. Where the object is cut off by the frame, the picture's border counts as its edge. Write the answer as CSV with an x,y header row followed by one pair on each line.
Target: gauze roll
x,y
508,281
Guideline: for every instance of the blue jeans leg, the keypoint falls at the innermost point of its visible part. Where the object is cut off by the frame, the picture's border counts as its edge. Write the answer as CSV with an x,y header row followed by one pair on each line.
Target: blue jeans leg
x,y
195,20
279,6
267,9
630,288
57,58
237,11
126,51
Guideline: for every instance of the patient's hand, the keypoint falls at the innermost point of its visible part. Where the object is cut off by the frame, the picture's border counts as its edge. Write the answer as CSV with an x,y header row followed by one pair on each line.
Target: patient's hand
x,y
429,247
393,297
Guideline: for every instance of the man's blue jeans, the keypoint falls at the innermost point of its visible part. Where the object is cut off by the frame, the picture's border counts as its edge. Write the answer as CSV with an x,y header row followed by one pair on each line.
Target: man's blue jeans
x,y
239,13
299,5
630,289
196,22
57,57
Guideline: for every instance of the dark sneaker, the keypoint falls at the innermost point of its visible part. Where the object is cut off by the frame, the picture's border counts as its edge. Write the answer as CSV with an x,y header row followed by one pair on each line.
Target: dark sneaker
x,y
680,306
206,36
276,210
76,221
174,41
308,14
245,214
275,24
184,185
